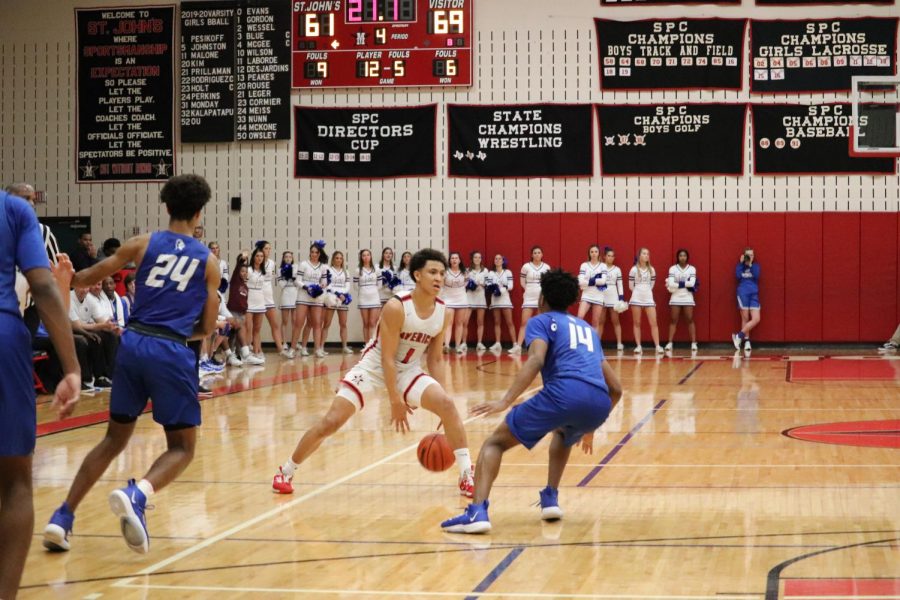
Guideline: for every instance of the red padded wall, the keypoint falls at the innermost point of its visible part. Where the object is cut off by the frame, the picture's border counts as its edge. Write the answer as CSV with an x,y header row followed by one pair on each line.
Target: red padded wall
x,y
654,231
840,291
691,231
578,231
503,235
727,240
765,232
803,277
467,233
540,230
877,274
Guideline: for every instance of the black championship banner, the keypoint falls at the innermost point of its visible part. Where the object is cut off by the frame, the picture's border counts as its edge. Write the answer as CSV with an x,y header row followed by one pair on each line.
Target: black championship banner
x,y
821,55
671,139
801,139
361,143
235,70
125,94
670,54
523,140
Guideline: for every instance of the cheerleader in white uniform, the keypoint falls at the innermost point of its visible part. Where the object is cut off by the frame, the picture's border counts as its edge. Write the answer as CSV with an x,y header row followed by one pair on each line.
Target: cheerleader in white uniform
x,y
269,294
287,282
388,279
339,286
530,276
641,280
223,270
256,299
312,281
614,293
592,280
406,280
457,305
475,295
366,281
498,283
681,282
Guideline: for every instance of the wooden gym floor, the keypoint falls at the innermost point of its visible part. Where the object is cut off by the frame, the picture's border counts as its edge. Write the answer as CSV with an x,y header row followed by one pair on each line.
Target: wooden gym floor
x,y
693,492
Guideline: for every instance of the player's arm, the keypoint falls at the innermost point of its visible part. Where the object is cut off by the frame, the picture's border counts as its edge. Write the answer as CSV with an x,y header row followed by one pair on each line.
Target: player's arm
x,y
537,351
131,251
389,338
434,354
210,313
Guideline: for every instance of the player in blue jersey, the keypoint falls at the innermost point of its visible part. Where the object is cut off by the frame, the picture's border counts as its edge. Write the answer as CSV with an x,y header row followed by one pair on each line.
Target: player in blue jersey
x,y
580,390
175,301
747,275
22,248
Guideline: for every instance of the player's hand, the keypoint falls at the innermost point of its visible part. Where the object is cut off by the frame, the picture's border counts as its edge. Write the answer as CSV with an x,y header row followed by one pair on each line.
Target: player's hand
x,y
92,250
63,271
66,395
587,443
488,408
399,416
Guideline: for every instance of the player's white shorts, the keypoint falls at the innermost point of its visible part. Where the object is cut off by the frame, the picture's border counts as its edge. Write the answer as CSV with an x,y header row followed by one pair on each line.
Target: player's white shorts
x,y
269,295
642,297
592,295
360,384
455,297
256,301
288,297
682,297
532,295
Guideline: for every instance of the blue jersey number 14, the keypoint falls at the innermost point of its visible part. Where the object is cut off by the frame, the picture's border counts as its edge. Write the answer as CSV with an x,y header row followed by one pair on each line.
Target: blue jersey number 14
x,y
170,266
579,334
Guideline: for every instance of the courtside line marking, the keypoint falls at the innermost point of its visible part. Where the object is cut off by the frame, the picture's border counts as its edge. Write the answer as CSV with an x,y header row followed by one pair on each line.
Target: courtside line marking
x,y
279,509
690,466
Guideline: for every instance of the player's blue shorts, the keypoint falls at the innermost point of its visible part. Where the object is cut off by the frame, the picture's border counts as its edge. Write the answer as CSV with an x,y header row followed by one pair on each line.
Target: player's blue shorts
x,y
747,300
160,370
571,405
18,421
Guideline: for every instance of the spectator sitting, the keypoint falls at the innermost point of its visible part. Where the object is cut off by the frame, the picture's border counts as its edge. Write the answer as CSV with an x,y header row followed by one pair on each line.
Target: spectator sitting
x,y
109,248
89,317
50,371
128,298
85,254
116,306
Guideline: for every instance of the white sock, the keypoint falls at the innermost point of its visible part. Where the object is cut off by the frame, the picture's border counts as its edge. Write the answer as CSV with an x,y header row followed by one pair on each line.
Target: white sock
x,y
228,353
289,467
146,487
245,351
463,460
204,357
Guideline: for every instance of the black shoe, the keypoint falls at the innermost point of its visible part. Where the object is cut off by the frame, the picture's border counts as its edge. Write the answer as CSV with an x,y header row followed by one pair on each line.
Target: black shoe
x,y
103,383
204,391
87,387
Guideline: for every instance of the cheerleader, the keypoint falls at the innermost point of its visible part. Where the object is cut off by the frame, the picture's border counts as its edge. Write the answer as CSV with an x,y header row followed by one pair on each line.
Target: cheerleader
x,y
592,280
339,287
613,295
498,284
238,303
256,299
387,276
269,296
747,274
287,281
215,250
681,283
365,280
454,297
476,298
407,284
312,280
641,279
530,277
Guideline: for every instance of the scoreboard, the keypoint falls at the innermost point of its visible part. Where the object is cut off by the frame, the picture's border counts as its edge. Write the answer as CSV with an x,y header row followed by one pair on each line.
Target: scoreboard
x,y
381,43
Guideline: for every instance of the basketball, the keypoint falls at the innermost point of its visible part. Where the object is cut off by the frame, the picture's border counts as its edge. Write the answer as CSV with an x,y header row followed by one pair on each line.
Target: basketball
x,y
435,453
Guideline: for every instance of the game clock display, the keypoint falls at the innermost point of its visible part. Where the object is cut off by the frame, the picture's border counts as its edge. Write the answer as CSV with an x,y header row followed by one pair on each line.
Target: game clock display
x,y
381,43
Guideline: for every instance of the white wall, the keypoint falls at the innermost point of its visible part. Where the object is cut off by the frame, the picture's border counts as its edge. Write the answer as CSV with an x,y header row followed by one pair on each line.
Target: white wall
x,y
525,51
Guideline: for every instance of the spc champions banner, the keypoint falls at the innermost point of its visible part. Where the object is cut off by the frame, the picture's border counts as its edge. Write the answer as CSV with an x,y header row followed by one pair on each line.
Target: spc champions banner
x,y
820,55
671,139
671,53
522,140
364,142
794,139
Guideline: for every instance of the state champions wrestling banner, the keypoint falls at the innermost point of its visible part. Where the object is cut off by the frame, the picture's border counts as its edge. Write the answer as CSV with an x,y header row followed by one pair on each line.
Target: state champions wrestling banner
x,y
126,94
820,55
520,140
363,143
670,53
804,139
671,139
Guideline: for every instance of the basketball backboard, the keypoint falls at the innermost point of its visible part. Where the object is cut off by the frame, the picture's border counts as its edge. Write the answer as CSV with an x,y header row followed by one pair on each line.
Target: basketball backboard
x,y
875,124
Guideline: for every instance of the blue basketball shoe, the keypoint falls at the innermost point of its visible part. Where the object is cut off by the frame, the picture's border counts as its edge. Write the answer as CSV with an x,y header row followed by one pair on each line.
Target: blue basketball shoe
x,y
129,504
58,530
550,510
474,520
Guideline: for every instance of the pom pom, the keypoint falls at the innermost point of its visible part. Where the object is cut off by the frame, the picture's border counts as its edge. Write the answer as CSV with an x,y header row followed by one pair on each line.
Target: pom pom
x,y
471,285
592,280
621,306
225,331
314,290
320,244
223,285
347,299
287,272
495,290
386,277
331,300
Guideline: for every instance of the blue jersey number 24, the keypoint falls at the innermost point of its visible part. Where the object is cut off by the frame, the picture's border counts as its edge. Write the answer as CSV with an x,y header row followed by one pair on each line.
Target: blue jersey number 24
x,y
172,267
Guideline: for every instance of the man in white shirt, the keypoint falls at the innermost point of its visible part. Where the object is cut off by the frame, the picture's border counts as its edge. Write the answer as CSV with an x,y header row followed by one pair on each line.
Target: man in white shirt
x,y
90,318
117,311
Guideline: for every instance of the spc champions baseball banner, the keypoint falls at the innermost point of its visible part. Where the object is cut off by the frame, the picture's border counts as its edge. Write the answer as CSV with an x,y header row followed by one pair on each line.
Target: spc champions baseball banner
x,y
820,55
525,140
671,139
671,53
791,138
125,94
364,143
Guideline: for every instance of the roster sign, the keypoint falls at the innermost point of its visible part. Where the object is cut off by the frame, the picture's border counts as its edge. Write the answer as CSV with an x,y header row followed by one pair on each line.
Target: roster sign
x,y
125,94
235,70
820,55
363,143
523,140
382,43
671,139
670,54
799,138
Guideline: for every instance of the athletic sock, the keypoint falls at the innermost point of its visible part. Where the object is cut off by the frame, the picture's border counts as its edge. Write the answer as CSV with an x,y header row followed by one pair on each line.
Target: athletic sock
x,y
245,351
288,468
741,335
463,460
204,357
146,487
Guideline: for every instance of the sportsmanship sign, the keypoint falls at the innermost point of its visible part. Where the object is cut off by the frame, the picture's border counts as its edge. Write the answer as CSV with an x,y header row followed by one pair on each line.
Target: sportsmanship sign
x,y
791,138
125,94
821,55
671,139
668,54
360,143
525,140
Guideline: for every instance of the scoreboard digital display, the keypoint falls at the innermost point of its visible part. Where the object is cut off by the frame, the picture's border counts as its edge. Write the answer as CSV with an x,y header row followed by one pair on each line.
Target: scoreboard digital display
x,y
381,43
